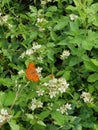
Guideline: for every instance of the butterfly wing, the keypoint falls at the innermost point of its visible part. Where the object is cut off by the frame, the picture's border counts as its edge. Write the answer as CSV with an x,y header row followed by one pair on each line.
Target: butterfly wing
x,y
31,73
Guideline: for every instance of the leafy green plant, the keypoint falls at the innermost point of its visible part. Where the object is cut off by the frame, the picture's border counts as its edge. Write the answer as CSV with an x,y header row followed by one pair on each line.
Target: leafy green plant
x,y
48,65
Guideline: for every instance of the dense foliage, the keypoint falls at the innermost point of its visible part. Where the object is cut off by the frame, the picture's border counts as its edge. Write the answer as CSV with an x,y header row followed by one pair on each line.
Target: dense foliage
x,y
49,65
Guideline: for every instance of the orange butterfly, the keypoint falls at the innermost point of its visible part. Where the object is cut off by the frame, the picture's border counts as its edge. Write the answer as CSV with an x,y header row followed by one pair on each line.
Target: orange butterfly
x,y
31,73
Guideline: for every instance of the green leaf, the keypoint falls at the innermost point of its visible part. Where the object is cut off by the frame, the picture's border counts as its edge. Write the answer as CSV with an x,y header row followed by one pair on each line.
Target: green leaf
x,y
33,9
53,35
87,44
90,66
66,75
74,26
74,61
61,24
2,98
44,114
6,82
63,42
59,119
95,62
9,98
41,123
52,9
93,77
13,125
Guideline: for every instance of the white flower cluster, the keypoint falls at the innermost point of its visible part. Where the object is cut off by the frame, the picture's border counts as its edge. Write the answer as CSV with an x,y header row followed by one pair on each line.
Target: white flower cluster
x,y
73,17
4,115
64,54
39,69
36,104
64,109
86,97
40,92
56,86
32,50
4,19
40,20
21,72
44,2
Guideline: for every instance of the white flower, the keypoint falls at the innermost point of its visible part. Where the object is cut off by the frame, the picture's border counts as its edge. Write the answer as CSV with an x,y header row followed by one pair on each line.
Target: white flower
x,y
4,115
40,59
73,17
52,94
56,86
4,112
63,85
36,46
49,0
43,2
21,72
33,107
29,51
86,97
23,55
39,104
2,118
36,104
68,106
64,108
39,69
40,92
64,54
10,26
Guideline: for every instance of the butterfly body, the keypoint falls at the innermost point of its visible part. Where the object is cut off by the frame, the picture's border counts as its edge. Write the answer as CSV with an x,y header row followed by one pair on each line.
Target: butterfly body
x,y
31,73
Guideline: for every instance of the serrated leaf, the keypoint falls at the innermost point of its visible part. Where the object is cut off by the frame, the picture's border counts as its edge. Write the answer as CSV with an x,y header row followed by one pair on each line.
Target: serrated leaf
x,y
93,77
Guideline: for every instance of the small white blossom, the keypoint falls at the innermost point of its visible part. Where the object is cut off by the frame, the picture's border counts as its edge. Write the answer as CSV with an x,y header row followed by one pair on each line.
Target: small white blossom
x,y
63,85
39,69
4,112
40,92
2,118
43,2
21,72
36,46
4,115
39,104
29,52
64,109
40,59
64,54
56,86
73,17
53,94
35,104
86,97
41,29
23,55
10,26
